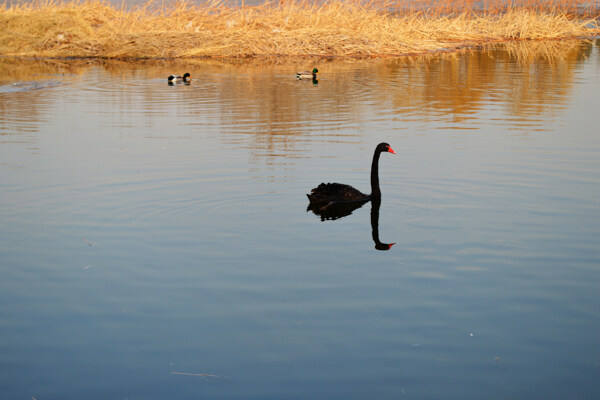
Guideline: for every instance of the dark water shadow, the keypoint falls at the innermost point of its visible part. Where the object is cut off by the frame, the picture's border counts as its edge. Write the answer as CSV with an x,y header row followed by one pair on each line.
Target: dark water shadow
x,y
337,211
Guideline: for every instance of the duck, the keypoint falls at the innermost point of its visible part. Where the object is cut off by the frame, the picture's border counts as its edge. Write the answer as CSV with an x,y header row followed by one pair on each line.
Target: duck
x,y
307,74
186,78
327,194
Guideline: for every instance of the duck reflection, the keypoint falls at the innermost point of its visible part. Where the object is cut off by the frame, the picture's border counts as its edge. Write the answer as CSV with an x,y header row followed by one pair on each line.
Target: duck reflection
x,y
336,211
178,83
314,81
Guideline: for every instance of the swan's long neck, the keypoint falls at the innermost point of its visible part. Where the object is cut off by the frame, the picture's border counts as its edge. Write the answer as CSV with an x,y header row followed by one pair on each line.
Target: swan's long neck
x,y
375,191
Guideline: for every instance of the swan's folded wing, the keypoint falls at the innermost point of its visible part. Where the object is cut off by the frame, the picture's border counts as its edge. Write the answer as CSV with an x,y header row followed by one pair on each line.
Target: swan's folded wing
x,y
335,193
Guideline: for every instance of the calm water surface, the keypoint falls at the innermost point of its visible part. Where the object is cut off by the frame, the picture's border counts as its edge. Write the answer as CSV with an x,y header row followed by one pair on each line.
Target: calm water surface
x,y
155,243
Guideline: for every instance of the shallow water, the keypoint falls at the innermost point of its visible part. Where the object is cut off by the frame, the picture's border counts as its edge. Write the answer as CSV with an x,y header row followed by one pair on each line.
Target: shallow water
x,y
155,243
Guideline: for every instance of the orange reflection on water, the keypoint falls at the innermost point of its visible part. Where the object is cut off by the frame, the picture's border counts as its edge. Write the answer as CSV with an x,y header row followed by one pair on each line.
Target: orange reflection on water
x,y
259,104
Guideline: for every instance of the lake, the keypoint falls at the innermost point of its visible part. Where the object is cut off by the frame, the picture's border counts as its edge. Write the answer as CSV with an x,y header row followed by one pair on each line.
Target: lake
x,y
155,240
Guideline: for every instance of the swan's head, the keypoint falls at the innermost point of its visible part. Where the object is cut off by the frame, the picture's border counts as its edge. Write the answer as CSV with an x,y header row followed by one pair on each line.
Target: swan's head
x,y
381,147
187,77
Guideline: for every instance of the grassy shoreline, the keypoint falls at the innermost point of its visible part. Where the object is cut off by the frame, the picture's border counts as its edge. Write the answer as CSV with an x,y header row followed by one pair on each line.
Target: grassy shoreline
x,y
291,29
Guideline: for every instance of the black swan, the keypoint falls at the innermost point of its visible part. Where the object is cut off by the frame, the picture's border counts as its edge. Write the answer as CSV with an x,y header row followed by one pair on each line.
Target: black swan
x,y
327,194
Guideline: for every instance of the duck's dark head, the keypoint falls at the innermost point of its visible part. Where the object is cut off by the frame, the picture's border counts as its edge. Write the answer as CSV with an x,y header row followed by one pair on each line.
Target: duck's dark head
x,y
170,78
384,147
314,71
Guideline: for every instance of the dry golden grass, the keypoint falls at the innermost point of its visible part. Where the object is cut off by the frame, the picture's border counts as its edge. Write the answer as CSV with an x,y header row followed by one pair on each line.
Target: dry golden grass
x,y
333,28
574,8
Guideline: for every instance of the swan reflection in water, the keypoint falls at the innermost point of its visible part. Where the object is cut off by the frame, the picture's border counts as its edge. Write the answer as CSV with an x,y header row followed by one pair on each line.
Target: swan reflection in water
x,y
336,211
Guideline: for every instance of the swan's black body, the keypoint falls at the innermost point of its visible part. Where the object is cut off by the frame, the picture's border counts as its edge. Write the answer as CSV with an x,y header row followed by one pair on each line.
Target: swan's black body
x,y
327,194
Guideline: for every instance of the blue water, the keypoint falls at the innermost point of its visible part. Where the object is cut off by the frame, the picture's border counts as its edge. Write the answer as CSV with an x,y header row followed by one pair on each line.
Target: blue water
x,y
155,243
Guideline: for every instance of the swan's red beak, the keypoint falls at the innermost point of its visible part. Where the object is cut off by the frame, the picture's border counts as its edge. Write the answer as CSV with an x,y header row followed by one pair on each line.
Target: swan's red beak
x,y
391,150
391,244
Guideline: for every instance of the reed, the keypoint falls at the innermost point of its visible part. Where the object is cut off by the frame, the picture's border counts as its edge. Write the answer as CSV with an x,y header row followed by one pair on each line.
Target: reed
x,y
290,28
